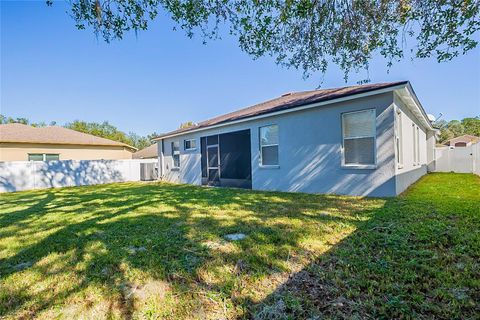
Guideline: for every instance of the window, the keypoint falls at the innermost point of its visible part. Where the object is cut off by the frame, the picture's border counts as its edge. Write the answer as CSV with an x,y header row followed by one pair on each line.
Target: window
x,y
418,145
190,144
398,139
51,157
359,138
269,145
43,156
35,157
176,154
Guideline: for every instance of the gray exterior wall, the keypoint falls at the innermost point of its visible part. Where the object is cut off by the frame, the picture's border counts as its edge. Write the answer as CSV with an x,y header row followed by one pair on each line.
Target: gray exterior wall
x,y
310,152
408,171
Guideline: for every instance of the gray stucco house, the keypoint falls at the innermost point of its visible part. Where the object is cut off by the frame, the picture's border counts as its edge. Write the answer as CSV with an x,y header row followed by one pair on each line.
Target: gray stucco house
x,y
366,140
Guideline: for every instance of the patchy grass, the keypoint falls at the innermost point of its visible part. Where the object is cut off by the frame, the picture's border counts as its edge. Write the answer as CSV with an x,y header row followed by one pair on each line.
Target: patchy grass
x,y
417,257
158,251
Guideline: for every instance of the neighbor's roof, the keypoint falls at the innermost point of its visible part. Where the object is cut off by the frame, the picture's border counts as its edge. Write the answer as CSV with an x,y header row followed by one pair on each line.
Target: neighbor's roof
x,y
145,153
21,133
465,138
285,102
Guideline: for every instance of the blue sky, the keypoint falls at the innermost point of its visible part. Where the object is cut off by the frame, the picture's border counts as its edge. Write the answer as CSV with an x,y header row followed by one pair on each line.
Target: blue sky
x,y
160,78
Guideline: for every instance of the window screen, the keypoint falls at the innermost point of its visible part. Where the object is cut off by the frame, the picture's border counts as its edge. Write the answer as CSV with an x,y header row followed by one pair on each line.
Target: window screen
x,y
235,155
269,145
176,154
35,157
359,137
190,144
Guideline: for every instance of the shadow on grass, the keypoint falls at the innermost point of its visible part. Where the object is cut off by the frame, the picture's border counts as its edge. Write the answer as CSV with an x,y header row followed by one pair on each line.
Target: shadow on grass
x,y
93,231
417,257
398,257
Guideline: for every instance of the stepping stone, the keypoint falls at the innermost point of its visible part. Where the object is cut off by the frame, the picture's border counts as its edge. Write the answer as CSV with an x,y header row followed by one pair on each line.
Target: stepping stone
x,y
235,236
134,250
23,265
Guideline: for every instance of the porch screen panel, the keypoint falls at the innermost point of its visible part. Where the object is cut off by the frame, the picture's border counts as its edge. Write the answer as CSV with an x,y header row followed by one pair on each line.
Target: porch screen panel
x,y
235,155
203,150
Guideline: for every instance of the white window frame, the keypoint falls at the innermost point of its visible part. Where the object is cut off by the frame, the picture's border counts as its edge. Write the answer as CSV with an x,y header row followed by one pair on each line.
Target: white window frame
x,y
414,137
174,153
360,166
418,145
261,146
399,139
185,144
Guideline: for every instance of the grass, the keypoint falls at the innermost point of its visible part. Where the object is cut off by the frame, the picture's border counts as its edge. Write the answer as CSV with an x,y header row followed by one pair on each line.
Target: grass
x,y
136,250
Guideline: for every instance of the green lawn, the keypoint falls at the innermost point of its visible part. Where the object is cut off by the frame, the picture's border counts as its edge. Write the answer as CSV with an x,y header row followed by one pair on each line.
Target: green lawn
x,y
136,250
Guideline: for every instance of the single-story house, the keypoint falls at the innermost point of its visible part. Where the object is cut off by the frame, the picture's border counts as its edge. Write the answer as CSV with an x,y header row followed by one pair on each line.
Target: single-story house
x,y
20,142
463,141
150,152
365,140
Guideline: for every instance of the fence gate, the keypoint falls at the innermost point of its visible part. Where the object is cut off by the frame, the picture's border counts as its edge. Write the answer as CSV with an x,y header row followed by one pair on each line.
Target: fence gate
x,y
458,159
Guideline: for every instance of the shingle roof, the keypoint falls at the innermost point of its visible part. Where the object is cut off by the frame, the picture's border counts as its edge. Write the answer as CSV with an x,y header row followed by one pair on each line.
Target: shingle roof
x,y
287,101
21,133
148,152
465,138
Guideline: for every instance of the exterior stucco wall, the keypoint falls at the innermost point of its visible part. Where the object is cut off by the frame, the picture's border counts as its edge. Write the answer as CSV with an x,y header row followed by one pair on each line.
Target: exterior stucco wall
x,y
409,172
20,151
310,152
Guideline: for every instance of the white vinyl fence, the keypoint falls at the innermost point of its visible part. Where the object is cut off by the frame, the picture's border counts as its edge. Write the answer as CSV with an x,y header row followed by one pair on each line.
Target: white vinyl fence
x,y
27,175
458,159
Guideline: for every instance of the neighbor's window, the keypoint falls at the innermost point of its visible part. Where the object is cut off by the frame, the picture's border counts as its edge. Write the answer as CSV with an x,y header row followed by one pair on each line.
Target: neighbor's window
x,y
176,154
43,156
50,156
398,139
359,137
269,145
35,157
190,144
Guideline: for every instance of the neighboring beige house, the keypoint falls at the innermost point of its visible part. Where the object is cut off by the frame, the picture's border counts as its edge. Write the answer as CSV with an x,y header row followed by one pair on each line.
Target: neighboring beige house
x,y
463,141
150,152
19,142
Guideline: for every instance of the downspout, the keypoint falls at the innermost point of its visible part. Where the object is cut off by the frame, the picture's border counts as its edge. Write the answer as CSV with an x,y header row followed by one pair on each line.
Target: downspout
x,y
161,160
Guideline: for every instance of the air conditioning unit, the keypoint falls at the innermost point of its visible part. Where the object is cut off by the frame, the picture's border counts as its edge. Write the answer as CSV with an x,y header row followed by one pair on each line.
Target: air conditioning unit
x,y
148,171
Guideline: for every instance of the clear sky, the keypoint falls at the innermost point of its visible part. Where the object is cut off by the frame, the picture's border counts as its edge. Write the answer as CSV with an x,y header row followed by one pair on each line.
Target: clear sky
x,y
160,78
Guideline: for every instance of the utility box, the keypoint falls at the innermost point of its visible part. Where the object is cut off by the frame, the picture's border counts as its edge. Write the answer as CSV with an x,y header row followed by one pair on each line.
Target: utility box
x,y
148,171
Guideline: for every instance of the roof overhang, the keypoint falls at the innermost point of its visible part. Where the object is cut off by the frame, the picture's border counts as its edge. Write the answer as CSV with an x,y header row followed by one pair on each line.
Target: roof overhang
x,y
404,91
408,96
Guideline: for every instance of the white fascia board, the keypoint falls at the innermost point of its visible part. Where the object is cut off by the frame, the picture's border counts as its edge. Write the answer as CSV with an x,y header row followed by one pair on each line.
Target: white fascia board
x,y
295,109
408,96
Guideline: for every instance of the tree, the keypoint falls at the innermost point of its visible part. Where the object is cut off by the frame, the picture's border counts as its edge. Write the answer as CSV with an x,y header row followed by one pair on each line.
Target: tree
x,y
137,141
4,120
187,124
103,130
472,126
304,34
455,128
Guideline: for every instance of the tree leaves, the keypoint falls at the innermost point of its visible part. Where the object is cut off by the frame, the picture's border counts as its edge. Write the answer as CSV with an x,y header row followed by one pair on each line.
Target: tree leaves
x,y
456,128
305,34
